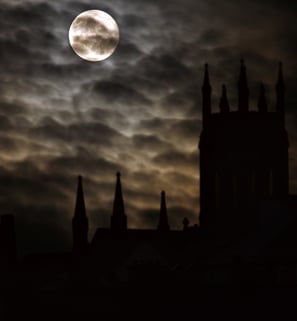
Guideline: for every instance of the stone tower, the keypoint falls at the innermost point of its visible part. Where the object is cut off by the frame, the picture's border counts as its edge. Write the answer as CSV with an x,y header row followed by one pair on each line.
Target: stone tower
x,y
243,156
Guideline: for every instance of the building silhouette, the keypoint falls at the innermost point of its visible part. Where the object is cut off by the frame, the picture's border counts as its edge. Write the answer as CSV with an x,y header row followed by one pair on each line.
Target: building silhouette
x,y
245,207
247,234
8,250
243,156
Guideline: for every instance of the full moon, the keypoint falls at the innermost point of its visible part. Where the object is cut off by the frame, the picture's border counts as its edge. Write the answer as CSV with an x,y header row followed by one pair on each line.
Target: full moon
x,y
94,35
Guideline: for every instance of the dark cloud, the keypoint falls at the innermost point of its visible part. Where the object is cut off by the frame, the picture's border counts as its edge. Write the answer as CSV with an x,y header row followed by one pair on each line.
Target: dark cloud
x,y
113,91
176,159
138,112
83,162
94,132
132,21
150,142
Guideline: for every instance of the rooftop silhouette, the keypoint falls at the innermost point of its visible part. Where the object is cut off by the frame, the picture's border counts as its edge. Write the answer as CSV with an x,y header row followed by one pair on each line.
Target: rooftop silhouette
x,y
247,231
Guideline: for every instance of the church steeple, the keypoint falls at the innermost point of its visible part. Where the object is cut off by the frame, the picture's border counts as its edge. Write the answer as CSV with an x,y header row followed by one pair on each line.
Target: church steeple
x,y
280,92
80,221
80,209
206,96
224,104
262,104
118,218
243,90
163,219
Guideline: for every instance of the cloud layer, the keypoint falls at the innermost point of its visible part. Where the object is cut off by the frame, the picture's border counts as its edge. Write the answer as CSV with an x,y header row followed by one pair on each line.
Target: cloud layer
x,y
139,112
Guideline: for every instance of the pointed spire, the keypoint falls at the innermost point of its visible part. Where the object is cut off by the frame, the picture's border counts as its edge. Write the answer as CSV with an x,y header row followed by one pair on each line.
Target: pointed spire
x,y
243,90
118,218
262,104
206,96
80,209
280,91
80,222
163,219
224,104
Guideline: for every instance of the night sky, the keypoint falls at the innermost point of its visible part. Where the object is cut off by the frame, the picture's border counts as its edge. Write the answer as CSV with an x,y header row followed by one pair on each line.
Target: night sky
x,y
138,112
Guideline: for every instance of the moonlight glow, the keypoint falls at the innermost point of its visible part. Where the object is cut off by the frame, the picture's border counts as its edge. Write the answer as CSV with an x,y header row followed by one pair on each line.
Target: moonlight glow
x,y
94,35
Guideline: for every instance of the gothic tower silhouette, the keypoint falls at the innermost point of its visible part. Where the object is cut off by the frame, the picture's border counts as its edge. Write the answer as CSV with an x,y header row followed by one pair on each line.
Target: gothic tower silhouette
x,y
243,156
80,221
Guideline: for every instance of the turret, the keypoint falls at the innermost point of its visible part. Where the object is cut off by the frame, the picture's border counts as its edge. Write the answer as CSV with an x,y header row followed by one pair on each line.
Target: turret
x,y
163,219
80,221
118,218
243,91
206,96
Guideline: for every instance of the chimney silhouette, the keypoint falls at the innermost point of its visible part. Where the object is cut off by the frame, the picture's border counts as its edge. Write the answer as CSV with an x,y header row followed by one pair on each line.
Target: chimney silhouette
x,y
206,96
243,91
224,104
118,218
80,221
163,219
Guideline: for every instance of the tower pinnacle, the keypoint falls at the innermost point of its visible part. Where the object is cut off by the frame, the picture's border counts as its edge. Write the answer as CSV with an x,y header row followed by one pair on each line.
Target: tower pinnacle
x,y
118,218
206,96
280,92
163,219
80,209
80,221
243,90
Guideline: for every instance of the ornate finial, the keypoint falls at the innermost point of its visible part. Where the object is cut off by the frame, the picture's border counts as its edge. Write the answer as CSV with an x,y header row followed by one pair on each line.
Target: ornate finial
x,y
243,91
118,218
206,96
163,219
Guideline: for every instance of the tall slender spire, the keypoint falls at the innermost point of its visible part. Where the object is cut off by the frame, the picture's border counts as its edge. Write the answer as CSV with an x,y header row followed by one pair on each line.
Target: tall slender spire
x,y
280,92
80,221
118,218
206,96
224,104
163,219
262,104
243,90
80,209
